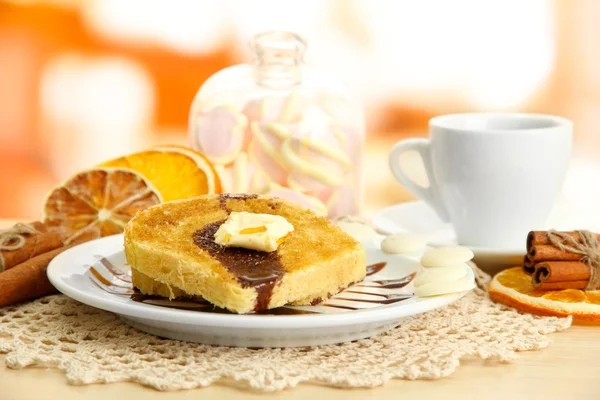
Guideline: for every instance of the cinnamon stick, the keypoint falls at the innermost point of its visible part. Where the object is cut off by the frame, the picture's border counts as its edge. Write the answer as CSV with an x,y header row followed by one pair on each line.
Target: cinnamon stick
x,y
547,252
554,275
581,285
536,238
553,266
528,265
28,280
34,244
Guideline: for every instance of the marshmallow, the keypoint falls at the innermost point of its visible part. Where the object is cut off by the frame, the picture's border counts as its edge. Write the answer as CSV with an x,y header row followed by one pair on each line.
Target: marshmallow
x,y
218,133
301,199
312,159
343,201
265,151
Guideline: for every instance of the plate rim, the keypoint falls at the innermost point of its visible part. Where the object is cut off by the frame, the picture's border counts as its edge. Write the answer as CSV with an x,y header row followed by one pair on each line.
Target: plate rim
x,y
63,264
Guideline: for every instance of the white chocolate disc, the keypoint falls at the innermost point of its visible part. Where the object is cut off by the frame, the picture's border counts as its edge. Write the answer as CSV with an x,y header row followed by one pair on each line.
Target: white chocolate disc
x,y
446,256
440,274
403,243
444,287
219,133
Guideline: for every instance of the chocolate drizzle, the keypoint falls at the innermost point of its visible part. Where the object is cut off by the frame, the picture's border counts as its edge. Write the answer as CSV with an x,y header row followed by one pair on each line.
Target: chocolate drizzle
x,y
341,307
200,304
113,270
375,268
390,283
388,300
257,269
398,285
253,269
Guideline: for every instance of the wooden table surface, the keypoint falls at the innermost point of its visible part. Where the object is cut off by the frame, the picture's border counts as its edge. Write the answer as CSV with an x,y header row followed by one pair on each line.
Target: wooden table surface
x,y
568,369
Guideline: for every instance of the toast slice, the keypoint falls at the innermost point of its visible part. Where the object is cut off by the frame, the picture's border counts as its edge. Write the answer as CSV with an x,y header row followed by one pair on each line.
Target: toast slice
x,y
171,250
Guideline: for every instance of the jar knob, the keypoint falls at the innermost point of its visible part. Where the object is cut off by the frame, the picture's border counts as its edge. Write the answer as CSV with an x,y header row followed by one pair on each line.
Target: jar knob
x,y
278,57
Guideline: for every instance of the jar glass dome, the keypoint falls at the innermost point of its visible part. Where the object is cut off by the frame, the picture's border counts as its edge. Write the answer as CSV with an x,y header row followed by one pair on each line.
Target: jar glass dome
x,y
278,127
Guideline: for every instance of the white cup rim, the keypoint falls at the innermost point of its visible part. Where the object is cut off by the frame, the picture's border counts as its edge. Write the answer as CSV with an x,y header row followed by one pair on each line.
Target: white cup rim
x,y
449,122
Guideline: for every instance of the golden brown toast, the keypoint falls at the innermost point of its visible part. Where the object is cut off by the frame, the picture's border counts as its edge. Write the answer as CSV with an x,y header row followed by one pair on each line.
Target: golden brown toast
x,y
172,253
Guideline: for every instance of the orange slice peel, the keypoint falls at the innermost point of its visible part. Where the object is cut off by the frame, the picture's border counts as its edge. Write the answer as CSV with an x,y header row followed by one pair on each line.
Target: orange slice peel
x,y
97,203
177,172
513,287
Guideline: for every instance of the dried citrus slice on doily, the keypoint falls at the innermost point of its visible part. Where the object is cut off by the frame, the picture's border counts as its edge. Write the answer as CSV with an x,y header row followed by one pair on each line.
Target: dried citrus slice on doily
x,y
97,203
513,287
177,172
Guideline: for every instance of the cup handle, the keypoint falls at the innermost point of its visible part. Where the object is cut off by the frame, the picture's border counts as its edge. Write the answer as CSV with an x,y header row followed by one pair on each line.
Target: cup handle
x,y
428,194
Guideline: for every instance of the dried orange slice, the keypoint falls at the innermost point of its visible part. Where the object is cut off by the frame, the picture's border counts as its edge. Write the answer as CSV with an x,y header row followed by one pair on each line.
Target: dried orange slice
x,y
176,172
97,203
513,287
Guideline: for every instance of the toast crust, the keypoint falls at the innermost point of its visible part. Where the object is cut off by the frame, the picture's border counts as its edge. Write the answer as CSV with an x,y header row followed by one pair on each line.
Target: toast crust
x,y
316,260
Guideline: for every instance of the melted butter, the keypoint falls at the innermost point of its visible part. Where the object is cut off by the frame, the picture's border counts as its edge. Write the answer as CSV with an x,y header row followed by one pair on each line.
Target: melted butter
x,y
261,232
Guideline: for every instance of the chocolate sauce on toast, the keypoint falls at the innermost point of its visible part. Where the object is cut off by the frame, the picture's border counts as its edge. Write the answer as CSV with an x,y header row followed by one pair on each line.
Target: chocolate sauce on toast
x,y
257,269
200,304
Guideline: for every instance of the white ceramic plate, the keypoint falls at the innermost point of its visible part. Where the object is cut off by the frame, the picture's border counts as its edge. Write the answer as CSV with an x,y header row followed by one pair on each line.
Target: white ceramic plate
x,y
95,273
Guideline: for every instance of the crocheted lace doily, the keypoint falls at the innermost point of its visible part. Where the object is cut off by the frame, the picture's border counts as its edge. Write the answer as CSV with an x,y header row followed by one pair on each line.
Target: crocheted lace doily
x,y
94,346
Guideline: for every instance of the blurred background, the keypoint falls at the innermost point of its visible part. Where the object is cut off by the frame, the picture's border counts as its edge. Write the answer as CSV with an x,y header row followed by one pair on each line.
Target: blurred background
x,y
82,81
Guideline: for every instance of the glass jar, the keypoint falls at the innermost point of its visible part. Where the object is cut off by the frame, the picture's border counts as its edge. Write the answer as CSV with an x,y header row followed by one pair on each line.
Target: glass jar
x,y
279,128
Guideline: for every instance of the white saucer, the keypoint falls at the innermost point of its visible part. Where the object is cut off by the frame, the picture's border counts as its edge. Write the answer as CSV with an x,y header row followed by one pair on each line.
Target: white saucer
x,y
417,217
95,273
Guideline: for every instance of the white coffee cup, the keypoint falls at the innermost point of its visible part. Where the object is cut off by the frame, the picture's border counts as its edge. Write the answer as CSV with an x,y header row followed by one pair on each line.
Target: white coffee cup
x,y
494,176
